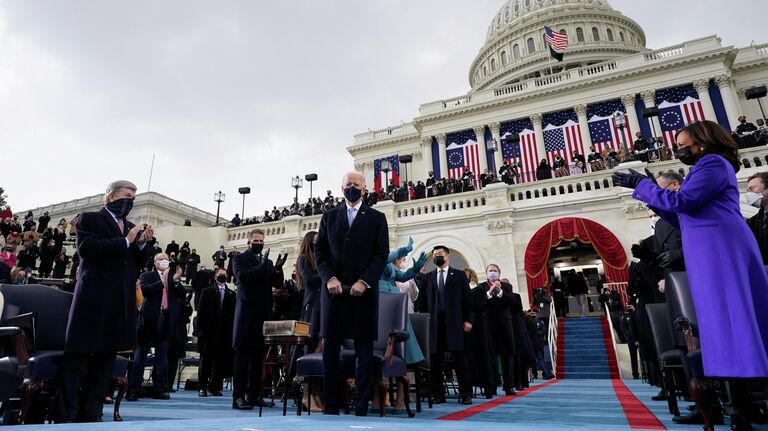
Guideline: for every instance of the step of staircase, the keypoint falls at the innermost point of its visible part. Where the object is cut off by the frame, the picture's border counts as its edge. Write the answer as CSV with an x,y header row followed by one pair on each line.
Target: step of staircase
x,y
584,355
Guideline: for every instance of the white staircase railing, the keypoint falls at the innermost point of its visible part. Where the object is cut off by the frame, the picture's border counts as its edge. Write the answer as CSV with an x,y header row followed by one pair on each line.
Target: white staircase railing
x,y
552,337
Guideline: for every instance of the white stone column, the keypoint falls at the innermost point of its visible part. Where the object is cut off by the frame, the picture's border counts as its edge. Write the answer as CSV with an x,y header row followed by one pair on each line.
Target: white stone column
x,y
702,87
629,105
732,106
426,151
586,139
498,157
649,100
537,128
480,135
443,155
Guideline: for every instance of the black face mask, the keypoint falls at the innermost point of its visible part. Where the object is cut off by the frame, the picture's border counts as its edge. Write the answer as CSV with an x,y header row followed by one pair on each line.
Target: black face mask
x,y
221,278
121,207
353,194
438,260
257,248
686,156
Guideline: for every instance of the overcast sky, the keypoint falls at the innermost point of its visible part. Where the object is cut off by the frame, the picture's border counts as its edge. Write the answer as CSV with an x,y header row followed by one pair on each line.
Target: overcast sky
x,y
245,93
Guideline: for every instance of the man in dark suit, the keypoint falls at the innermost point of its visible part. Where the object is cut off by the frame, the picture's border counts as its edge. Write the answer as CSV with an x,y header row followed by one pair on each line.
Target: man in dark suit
x,y
757,188
256,275
351,252
172,248
102,318
500,323
160,314
447,298
215,317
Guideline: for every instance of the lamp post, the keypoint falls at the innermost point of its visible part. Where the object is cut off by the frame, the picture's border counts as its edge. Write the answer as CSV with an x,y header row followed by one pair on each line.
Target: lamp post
x,y
243,191
296,183
620,120
310,178
493,146
218,198
386,167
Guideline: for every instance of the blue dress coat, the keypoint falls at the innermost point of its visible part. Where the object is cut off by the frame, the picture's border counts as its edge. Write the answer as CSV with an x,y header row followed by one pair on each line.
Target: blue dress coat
x,y
728,281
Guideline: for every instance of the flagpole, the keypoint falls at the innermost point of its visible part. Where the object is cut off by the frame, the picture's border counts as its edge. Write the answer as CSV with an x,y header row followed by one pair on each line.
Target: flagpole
x,y
149,186
549,60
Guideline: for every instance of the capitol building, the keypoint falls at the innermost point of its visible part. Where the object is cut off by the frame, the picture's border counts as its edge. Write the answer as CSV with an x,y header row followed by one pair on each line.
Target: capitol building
x,y
577,222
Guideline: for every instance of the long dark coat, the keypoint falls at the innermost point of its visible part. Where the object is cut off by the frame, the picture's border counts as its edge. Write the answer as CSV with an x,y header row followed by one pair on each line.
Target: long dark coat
x,y
215,321
255,277
458,308
498,315
481,365
310,305
152,289
103,312
351,253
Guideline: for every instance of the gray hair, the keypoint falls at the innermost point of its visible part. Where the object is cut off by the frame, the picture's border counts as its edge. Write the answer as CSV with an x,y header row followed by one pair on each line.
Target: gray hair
x,y
117,185
672,176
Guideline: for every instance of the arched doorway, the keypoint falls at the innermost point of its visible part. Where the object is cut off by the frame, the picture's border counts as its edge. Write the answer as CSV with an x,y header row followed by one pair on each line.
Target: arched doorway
x,y
605,243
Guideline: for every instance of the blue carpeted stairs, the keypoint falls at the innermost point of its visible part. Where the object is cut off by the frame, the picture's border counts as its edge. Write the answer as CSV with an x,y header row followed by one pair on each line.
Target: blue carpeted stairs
x,y
585,355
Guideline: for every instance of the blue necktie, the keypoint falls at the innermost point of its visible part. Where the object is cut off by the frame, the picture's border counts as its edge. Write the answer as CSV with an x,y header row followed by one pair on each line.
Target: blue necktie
x,y
441,290
351,216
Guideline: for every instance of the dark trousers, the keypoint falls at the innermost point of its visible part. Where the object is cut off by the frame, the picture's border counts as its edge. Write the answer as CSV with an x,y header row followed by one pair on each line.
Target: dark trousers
x,y
247,379
332,375
633,358
561,307
83,380
174,347
159,367
460,364
507,367
210,371
520,373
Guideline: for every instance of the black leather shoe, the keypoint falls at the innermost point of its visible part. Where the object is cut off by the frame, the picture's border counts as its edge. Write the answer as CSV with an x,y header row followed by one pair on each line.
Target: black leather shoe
x,y
161,396
661,396
132,396
259,402
216,394
202,393
465,400
438,400
240,404
696,418
361,412
509,392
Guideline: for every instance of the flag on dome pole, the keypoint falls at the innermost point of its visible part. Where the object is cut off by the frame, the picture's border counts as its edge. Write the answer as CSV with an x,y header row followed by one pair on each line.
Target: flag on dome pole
x,y
558,42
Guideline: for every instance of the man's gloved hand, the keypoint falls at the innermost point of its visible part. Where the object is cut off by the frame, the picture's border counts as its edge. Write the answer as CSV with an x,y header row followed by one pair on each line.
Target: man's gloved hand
x,y
638,252
667,258
281,260
630,180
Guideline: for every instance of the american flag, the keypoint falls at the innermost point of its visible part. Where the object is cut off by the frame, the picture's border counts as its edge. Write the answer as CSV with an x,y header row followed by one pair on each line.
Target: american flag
x,y
602,126
523,153
463,150
379,177
678,107
562,135
558,41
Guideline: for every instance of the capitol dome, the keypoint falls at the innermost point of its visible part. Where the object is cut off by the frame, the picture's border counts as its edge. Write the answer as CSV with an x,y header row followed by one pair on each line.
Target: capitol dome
x,y
515,48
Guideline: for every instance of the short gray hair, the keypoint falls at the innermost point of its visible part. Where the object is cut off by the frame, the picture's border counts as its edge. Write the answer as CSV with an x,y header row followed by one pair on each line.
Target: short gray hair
x,y
672,177
117,185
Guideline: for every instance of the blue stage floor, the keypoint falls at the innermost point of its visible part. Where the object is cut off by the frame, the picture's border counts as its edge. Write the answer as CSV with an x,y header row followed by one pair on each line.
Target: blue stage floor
x,y
567,405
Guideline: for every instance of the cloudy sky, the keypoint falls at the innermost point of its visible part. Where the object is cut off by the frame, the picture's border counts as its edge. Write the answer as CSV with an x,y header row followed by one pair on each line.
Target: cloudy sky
x,y
245,93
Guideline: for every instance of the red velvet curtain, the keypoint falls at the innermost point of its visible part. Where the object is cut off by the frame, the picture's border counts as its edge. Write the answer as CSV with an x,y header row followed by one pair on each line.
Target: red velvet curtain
x,y
605,243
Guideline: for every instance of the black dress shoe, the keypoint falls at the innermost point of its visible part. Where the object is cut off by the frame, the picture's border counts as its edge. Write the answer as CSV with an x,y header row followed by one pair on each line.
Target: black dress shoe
x,y
216,393
661,396
259,402
161,396
465,400
696,418
240,404
361,412
438,400
509,392
202,393
132,396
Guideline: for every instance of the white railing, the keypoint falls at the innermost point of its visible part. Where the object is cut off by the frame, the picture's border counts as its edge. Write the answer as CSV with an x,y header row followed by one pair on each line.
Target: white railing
x,y
457,101
552,337
665,53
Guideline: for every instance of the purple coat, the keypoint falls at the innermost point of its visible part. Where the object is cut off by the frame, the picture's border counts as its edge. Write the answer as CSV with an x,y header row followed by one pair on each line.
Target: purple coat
x,y
728,282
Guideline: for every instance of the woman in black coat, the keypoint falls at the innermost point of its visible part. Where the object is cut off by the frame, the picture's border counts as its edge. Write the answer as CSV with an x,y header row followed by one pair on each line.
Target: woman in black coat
x,y
309,283
479,354
47,254
498,316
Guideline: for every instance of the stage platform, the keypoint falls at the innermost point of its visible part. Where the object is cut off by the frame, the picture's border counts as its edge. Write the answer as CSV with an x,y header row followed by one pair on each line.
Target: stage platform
x,y
559,405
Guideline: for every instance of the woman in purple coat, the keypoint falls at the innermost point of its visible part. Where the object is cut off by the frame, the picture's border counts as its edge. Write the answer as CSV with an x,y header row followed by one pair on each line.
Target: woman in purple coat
x,y
728,281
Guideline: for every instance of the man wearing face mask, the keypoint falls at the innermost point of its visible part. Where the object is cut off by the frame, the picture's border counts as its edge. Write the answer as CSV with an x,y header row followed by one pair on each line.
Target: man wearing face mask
x,y
351,253
448,300
256,275
160,314
102,318
756,197
499,322
215,317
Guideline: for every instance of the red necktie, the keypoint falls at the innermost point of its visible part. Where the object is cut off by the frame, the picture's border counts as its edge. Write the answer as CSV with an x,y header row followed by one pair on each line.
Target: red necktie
x,y
164,302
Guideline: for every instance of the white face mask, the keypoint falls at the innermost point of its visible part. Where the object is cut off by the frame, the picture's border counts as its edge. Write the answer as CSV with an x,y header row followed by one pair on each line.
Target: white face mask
x,y
163,264
754,199
493,275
